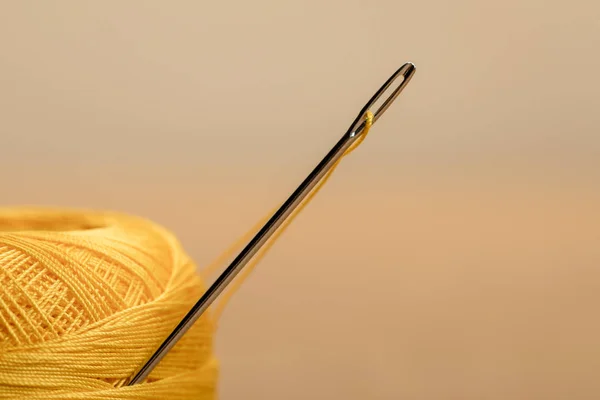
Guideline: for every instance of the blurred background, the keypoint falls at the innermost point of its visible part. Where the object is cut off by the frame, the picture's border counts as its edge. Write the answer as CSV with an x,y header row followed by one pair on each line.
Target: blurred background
x,y
454,255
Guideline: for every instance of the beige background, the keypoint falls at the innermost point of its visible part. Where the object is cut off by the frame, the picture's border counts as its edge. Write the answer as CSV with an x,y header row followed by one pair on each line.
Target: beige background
x,y
455,255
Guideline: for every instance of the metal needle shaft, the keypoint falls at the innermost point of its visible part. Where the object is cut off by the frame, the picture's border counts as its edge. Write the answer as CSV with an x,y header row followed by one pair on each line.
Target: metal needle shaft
x,y
355,130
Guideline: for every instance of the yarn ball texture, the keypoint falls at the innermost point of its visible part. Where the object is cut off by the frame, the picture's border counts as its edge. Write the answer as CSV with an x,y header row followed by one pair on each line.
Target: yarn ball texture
x,y
86,297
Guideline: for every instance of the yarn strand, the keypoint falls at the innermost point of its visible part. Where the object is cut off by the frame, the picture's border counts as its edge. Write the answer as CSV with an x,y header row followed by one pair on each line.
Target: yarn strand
x,y
219,307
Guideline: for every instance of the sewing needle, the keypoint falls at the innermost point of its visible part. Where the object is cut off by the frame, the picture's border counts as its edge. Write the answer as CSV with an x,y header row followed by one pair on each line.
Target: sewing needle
x,y
263,235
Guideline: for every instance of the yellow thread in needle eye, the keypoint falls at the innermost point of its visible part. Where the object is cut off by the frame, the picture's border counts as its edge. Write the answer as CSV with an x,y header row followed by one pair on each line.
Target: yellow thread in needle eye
x,y
235,285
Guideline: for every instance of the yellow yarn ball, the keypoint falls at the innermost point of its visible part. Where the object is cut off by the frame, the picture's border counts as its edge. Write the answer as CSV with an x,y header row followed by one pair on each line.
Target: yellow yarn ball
x,y
86,298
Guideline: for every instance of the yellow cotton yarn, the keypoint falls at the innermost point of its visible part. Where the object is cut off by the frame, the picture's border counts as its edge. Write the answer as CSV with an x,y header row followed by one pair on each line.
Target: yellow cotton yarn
x,y
86,297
